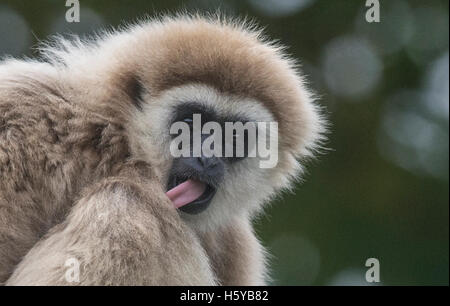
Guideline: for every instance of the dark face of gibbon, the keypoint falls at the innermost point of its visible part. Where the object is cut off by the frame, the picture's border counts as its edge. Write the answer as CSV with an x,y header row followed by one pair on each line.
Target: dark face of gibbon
x,y
193,181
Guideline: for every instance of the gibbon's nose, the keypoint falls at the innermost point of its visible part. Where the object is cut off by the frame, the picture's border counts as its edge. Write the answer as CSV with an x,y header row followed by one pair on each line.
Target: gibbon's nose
x,y
208,162
211,167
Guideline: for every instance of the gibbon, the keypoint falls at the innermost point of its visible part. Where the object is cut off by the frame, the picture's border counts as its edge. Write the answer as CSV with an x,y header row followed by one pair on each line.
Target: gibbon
x,y
86,168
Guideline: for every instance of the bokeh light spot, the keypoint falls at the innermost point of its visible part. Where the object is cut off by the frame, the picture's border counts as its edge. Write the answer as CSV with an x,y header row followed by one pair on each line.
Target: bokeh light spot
x,y
351,277
278,8
295,259
393,32
431,31
437,87
413,139
15,36
89,21
350,67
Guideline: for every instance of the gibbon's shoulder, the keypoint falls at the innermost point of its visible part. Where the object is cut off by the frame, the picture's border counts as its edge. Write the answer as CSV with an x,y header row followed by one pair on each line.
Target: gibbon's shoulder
x,y
25,77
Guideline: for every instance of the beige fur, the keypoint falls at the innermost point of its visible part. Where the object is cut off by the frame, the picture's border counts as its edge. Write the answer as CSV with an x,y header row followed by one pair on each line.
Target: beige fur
x,y
83,164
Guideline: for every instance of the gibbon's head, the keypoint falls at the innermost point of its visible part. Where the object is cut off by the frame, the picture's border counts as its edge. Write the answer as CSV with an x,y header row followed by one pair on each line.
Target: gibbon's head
x,y
170,69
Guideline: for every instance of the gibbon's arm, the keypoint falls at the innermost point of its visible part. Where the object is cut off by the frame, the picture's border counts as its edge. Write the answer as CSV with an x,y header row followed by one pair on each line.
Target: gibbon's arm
x,y
124,231
236,255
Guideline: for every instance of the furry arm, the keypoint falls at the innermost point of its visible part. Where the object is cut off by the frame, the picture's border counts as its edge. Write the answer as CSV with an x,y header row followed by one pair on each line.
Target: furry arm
x,y
123,231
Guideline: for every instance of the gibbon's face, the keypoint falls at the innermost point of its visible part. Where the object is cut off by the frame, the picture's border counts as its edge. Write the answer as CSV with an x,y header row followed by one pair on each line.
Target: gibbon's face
x,y
207,185
225,74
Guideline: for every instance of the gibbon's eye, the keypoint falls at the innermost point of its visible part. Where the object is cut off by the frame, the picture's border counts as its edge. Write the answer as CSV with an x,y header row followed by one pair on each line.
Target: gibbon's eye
x,y
188,120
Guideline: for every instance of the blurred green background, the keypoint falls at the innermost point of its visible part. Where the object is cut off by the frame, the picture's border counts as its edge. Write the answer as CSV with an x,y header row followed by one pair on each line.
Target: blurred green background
x,y
382,190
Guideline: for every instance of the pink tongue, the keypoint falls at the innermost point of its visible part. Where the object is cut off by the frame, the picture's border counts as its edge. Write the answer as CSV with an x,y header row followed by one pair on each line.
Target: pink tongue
x,y
186,192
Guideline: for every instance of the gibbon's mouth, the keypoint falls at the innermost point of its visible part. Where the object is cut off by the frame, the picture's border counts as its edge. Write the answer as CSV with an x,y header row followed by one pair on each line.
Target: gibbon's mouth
x,y
190,195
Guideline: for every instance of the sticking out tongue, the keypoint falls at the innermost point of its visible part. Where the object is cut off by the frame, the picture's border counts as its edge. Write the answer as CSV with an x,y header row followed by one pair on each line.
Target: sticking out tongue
x,y
186,192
